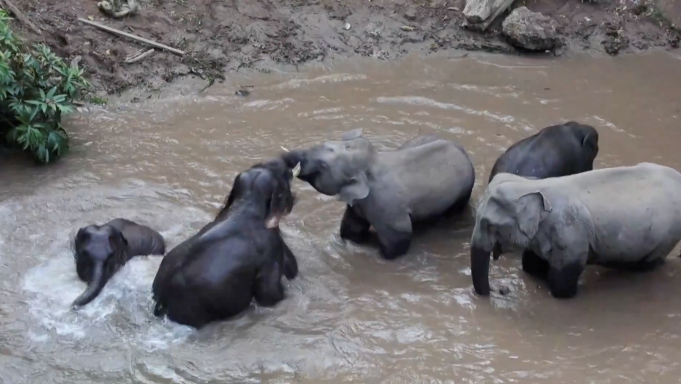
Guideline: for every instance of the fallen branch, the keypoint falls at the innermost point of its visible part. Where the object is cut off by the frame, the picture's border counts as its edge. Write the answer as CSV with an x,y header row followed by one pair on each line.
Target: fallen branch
x,y
131,36
139,57
21,17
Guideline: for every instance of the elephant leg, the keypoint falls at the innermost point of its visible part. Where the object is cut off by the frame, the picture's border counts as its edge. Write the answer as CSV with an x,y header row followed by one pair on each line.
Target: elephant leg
x,y
290,263
639,266
268,289
188,309
563,280
647,266
534,265
459,205
394,237
354,227
567,259
656,258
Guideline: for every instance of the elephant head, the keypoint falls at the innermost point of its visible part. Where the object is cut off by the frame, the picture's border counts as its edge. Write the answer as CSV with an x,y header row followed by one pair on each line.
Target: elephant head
x,y
339,167
100,251
507,219
267,185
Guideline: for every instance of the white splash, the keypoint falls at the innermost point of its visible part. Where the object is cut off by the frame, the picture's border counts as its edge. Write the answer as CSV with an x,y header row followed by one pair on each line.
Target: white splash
x,y
124,308
424,101
335,78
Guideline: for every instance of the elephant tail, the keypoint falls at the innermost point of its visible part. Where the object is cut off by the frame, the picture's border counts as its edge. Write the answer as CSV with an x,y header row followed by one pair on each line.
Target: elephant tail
x,y
94,287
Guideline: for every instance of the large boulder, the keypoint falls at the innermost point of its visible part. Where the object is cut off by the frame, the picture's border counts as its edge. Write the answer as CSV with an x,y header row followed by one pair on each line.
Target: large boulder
x,y
531,30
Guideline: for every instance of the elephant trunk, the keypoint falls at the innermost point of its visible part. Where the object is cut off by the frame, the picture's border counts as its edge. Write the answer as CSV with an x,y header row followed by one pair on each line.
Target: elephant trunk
x,y
94,287
480,269
292,158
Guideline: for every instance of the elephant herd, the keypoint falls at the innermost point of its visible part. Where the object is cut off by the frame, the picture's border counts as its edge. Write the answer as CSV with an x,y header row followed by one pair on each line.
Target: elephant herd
x,y
543,199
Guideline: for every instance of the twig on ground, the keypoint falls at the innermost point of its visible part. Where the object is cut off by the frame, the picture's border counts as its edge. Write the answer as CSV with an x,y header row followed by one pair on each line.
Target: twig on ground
x,y
21,17
131,36
139,57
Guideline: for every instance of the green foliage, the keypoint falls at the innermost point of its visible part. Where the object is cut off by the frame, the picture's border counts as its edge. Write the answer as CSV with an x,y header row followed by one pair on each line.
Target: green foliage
x,y
97,100
36,89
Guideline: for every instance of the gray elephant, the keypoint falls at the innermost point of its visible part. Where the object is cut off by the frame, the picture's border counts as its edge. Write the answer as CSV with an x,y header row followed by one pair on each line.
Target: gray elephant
x,y
101,250
557,150
624,217
420,181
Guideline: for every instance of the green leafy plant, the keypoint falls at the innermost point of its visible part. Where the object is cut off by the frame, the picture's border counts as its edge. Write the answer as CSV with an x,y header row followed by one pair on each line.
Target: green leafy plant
x,y
36,89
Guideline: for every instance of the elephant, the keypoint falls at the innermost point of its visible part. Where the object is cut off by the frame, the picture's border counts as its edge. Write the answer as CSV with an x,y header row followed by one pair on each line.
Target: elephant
x,y
101,250
625,217
557,150
239,256
424,179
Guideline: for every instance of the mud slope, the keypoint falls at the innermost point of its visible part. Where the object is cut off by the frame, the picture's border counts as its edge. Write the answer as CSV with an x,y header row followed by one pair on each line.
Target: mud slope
x,y
231,35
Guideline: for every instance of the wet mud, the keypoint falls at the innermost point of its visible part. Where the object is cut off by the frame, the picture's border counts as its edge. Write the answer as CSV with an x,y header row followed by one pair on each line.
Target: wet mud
x,y
225,37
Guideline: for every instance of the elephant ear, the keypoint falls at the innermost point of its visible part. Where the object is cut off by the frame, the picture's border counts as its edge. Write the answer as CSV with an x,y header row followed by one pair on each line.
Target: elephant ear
x,y
585,141
357,189
355,133
118,246
531,207
78,240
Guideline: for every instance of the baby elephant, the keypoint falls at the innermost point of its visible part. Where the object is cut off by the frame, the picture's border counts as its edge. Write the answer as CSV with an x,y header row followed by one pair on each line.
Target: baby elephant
x,y
101,250
239,256
557,150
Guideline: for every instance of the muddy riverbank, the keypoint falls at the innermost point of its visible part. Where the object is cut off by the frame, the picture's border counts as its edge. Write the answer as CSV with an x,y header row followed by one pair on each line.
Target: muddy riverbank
x,y
236,35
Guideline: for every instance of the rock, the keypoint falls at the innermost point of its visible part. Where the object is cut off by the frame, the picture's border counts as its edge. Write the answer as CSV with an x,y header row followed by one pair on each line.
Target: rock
x,y
410,14
477,11
479,14
530,30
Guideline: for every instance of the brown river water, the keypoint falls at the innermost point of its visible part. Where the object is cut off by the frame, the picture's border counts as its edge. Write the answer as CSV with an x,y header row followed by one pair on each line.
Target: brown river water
x,y
349,316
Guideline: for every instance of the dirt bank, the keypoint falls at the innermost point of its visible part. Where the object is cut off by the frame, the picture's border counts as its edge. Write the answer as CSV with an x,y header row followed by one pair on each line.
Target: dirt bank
x,y
231,35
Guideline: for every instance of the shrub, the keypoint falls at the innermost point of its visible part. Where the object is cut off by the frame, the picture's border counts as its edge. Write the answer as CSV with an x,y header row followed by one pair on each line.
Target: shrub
x,y
36,89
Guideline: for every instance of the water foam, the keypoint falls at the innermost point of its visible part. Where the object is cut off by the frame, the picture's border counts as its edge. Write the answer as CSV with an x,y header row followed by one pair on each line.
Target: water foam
x,y
424,101
124,307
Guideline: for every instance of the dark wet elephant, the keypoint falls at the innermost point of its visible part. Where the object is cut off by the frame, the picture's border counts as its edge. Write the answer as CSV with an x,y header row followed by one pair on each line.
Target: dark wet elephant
x,y
239,256
422,180
101,250
557,150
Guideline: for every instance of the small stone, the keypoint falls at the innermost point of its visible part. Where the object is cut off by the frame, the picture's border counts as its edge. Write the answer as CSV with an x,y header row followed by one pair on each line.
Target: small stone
x,y
531,30
242,93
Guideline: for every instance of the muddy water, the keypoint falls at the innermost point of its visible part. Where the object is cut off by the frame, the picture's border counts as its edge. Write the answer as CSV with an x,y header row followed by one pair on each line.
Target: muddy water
x,y
350,316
